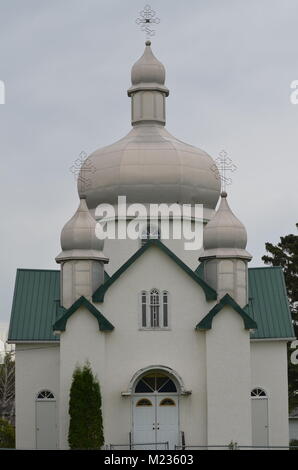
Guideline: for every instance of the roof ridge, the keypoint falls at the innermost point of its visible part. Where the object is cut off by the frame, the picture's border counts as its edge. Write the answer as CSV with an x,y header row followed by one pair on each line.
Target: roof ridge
x,y
38,269
265,267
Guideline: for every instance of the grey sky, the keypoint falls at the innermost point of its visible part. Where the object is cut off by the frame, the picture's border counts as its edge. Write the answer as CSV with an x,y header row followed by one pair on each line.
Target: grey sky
x,y
66,66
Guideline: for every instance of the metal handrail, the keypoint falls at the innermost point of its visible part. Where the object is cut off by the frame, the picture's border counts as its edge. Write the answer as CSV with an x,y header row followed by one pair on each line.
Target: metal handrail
x,y
235,447
131,445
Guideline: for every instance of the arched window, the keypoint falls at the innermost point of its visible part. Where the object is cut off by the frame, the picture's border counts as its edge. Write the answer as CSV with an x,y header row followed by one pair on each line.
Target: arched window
x,y
258,393
155,382
45,395
151,231
167,402
144,402
144,309
165,305
154,309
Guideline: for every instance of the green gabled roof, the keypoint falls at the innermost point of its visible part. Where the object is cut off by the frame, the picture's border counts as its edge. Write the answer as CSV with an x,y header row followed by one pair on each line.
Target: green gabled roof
x,y
103,323
35,305
99,294
206,322
268,303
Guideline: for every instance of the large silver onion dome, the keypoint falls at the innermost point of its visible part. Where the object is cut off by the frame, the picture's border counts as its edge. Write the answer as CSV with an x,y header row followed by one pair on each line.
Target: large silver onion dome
x,y
149,165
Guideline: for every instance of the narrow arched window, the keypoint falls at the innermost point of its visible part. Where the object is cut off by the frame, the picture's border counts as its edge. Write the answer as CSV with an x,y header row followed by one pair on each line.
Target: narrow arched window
x,y
165,304
144,309
154,308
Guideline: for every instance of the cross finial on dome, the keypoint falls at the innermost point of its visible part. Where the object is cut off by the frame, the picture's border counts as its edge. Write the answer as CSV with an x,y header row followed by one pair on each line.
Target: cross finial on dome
x,y
146,19
223,163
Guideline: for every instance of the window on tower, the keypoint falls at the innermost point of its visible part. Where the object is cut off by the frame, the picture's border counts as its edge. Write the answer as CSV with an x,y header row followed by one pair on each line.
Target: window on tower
x,y
154,309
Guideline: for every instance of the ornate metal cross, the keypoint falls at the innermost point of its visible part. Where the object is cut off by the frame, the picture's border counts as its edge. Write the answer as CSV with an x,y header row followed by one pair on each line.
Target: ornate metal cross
x,y
223,163
147,18
81,167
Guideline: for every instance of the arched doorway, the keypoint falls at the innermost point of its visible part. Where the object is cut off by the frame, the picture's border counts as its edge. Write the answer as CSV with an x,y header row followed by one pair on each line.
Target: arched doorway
x,y
155,408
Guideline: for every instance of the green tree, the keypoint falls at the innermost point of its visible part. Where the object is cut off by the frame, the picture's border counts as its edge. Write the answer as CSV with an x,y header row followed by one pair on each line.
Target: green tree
x,y
7,387
7,435
85,427
285,254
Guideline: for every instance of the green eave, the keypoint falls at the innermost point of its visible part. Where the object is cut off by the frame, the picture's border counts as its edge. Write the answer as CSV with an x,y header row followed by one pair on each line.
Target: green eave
x,y
99,294
206,322
103,323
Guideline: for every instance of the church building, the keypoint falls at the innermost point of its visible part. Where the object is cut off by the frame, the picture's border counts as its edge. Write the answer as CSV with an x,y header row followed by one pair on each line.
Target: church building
x,y
189,346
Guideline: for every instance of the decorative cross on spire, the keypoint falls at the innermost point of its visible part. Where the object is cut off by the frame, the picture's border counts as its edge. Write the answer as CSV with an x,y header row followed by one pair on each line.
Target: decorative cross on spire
x,y
223,163
147,18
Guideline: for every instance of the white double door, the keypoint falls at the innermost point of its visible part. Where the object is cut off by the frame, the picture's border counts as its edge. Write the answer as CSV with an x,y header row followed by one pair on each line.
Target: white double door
x,y
155,421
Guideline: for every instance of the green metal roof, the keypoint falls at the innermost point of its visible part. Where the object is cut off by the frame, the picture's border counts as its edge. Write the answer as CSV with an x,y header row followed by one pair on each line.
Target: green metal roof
x,y
36,304
268,303
35,301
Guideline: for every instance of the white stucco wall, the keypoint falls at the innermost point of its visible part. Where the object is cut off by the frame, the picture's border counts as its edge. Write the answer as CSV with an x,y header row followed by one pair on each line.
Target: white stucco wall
x,y
269,371
118,355
228,380
37,368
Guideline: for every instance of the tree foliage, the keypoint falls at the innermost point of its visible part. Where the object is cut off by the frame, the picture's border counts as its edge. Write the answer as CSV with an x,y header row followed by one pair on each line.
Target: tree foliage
x,y
285,254
85,427
7,387
7,435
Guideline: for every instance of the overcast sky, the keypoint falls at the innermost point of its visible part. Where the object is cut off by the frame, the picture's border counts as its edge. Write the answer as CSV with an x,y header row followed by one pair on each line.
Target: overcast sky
x,y
66,67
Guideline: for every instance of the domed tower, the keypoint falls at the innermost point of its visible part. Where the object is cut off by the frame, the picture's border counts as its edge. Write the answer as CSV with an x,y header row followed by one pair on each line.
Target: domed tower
x,y
82,259
225,257
149,165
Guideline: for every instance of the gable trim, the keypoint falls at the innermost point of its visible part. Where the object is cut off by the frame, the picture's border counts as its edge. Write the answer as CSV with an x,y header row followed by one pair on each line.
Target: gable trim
x,y
99,294
206,322
103,323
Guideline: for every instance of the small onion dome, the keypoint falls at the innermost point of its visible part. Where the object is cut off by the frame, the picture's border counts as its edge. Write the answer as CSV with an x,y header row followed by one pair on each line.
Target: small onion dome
x,y
148,73
225,235
78,237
